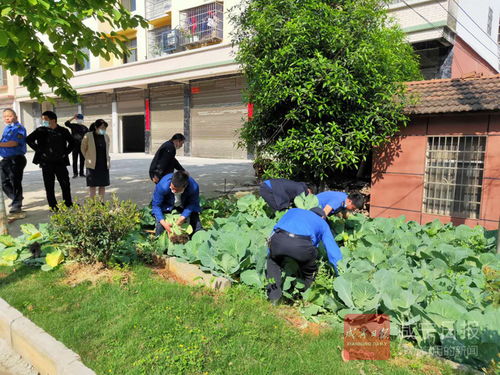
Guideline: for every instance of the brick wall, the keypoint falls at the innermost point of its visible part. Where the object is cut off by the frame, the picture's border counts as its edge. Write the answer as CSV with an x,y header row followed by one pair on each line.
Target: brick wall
x,y
398,168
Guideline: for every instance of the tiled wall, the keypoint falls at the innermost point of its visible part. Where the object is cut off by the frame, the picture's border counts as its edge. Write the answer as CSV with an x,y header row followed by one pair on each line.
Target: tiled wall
x,y
398,168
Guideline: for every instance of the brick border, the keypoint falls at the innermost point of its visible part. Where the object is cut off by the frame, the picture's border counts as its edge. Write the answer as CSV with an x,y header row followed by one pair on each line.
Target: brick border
x,y
190,273
47,355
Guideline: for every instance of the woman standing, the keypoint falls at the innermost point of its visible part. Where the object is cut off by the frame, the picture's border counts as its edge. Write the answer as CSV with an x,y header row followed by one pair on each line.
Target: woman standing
x,y
95,149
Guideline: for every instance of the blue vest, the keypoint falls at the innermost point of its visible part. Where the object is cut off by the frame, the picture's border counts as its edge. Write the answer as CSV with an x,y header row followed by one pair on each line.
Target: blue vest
x,y
13,132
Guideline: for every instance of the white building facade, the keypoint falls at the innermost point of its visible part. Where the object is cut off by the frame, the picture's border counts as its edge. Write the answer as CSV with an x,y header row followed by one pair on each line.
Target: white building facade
x,y
181,75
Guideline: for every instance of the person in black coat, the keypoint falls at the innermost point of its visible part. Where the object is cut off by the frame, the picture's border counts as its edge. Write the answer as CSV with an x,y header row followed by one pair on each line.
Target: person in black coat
x,y
78,131
52,145
164,161
279,193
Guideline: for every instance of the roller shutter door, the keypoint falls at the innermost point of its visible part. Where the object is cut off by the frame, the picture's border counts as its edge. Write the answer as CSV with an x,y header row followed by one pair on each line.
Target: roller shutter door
x,y
98,106
131,102
30,115
64,111
167,114
217,113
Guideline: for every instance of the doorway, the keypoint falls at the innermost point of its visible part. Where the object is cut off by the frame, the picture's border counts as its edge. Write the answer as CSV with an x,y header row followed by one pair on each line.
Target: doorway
x,y
133,133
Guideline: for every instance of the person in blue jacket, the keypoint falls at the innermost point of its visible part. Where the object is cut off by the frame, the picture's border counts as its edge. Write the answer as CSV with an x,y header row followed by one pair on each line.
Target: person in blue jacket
x,y
12,150
333,202
279,193
164,200
297,235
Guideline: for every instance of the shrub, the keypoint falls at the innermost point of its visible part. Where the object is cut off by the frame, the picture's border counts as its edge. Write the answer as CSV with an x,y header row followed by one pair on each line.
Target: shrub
x,y
325,78
95,231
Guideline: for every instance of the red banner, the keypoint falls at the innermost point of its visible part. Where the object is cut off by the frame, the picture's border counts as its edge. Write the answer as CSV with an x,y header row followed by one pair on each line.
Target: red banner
x,y
147,117
250,110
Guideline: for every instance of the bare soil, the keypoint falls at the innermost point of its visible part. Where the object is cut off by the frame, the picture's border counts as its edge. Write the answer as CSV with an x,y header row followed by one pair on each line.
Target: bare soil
x,y
78,273
167,275
297,321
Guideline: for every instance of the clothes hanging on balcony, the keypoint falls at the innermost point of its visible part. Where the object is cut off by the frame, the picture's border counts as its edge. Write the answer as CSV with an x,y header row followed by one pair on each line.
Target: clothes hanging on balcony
x,y
194,25
212,23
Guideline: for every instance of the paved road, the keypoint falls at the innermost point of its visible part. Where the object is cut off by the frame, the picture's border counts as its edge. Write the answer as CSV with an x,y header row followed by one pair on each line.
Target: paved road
x,y
130,180
12,364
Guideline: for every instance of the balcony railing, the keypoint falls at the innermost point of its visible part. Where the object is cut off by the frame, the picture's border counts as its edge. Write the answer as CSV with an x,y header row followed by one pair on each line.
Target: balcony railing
x,y
201,25
157,8
162,42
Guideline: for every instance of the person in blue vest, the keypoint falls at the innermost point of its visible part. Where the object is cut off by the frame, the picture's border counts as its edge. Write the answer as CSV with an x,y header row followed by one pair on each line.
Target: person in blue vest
x,y
333,202
12,150
164,201
279,193
297,235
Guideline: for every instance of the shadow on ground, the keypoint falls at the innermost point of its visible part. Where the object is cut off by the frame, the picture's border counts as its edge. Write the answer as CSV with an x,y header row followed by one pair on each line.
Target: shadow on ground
x,y
130,180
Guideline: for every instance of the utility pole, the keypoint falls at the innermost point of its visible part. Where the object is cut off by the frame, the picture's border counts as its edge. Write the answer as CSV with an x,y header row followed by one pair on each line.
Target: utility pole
x,y
3,216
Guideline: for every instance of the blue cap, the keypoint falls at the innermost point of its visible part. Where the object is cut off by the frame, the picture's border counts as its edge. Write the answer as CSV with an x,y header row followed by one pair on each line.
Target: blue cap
x,y
79,116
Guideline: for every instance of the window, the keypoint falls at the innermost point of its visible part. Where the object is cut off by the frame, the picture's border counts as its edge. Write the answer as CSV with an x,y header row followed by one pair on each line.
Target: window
x,y
157,8
489,27
3,76
86,61
203,24
454,175
132,47
129,4
162,41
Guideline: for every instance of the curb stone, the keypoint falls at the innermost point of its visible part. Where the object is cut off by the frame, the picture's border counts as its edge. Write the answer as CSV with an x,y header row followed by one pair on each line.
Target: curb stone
x,y
37,347
460,368
192,274
8,315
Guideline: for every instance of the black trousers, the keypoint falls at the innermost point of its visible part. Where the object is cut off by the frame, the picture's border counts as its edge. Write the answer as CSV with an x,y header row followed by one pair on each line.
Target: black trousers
x,y
267,194
299,249
12,169
77,152
194,221
50,172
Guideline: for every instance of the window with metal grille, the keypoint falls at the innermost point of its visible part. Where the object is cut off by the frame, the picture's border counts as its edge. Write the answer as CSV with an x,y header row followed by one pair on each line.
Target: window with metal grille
x,y
86,61
454,175
157,8
129,4
132,47
162,41
202,25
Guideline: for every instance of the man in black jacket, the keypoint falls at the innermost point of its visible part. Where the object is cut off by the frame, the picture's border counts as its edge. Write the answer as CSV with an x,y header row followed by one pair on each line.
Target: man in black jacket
x,y
164,161
52,144
279,193
78,131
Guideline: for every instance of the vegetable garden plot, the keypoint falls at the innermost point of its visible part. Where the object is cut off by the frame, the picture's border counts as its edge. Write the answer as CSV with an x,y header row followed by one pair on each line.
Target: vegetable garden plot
x,y
439,283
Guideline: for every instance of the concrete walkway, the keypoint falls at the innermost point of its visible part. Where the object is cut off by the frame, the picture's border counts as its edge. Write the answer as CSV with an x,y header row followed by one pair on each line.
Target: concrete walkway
x,y
130,180
11,363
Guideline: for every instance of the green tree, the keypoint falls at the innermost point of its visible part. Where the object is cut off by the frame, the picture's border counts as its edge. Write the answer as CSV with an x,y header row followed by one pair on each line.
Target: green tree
x,y
27,25
326,78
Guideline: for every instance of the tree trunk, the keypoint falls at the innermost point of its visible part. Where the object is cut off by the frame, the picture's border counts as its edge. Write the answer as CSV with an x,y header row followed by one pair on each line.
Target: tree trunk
x,y
3,216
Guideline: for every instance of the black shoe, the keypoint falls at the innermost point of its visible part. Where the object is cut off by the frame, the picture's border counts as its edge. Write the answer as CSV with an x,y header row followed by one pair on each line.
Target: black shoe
x,y
75,176
82,175
15,210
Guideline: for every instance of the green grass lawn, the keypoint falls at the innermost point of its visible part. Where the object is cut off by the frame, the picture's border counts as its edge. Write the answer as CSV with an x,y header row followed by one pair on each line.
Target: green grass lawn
x,y
152,326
